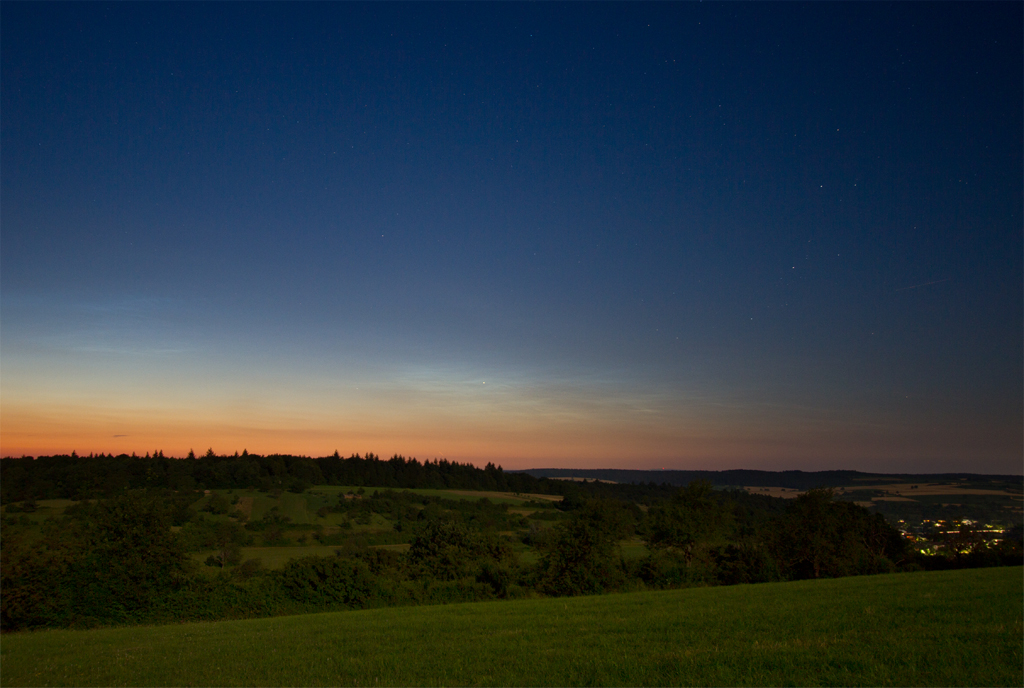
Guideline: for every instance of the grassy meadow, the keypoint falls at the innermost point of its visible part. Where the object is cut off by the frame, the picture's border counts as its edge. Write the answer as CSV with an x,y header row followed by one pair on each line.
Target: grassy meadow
x,y
960,627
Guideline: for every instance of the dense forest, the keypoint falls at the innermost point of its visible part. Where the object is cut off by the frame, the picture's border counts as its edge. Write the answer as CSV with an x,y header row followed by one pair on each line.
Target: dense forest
x,y
87,477
107,540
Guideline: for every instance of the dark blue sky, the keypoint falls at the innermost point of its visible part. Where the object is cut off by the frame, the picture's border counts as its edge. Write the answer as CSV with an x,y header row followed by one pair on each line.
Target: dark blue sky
x,y
694,235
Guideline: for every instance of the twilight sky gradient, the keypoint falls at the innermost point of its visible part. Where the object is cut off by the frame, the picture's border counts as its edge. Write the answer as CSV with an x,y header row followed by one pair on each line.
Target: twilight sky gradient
x,y
776,236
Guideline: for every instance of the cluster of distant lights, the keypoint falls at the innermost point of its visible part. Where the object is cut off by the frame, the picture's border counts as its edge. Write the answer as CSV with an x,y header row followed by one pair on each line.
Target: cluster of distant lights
x,y
933,550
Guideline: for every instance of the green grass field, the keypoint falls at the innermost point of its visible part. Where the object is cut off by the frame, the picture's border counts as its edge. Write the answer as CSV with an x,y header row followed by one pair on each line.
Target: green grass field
x,y
302,508
510,498
943,628
277,557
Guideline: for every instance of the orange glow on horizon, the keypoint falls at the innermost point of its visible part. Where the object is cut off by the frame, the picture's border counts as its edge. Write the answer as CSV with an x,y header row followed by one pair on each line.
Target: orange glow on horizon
x,y
519,443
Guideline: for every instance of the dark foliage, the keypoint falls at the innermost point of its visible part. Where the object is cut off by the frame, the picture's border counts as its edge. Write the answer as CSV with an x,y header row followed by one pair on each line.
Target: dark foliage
x,y
819,537
582,556
89,477
117,560
329,582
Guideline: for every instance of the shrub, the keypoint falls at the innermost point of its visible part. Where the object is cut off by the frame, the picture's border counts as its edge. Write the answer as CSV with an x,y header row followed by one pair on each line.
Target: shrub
x,y
328,581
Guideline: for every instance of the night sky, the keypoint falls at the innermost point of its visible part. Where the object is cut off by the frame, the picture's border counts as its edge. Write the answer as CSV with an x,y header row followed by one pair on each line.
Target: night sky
x,y
697,236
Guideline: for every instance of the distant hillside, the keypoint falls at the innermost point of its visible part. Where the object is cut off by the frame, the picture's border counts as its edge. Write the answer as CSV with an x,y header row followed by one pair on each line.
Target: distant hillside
x,y
800,480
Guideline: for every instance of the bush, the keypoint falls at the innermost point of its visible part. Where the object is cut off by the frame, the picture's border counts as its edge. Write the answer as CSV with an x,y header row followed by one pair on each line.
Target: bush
x,y
218,504
744,563
249,568
582,557
329,581
446,550
119,566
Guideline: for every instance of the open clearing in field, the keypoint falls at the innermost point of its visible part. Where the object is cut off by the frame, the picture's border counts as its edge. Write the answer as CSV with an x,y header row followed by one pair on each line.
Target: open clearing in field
x,y
913,629
301,509
784,492
501,497
277,557
928,489
892,492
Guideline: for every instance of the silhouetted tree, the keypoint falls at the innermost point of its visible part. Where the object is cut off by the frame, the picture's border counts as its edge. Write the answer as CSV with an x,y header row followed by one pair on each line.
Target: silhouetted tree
x,y
582,556
692,521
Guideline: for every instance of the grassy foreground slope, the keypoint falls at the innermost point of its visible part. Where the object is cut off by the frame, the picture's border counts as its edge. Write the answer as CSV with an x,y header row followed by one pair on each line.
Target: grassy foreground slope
x,y
939,628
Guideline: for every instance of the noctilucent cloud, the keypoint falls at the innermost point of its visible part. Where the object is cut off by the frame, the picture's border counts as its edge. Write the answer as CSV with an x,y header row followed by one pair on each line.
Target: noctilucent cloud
x,y
777,236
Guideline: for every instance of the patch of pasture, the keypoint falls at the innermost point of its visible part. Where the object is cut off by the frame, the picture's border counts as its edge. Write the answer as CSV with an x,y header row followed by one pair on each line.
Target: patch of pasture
x,y
54,506
928,489
633,549
500,497
277,557
783,492
295,507
916,629
273,557
45,508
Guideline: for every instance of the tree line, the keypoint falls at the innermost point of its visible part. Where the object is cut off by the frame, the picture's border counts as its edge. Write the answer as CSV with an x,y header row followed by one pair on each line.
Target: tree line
x,y
76,477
